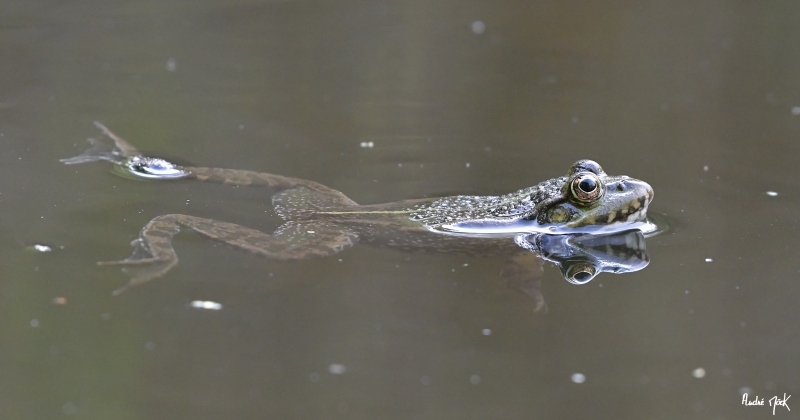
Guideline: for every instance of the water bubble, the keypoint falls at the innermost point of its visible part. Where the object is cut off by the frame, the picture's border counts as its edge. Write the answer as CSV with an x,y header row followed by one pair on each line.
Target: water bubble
x,y
478,27
337,369
69,408
578,378
699,373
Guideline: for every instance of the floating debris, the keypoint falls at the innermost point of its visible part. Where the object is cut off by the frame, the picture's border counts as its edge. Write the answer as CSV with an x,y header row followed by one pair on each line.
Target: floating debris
x,y
796,110
486,331
478,27
367,144
699,373
172,64
40,248
709,260
206,304
772,193
578,378
337,369
59,300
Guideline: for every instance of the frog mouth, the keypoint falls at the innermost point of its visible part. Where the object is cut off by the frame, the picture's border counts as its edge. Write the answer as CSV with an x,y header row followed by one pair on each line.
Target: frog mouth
x,y
633,211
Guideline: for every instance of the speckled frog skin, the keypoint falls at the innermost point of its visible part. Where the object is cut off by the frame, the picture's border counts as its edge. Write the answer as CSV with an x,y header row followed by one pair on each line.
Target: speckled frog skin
x,y
321,221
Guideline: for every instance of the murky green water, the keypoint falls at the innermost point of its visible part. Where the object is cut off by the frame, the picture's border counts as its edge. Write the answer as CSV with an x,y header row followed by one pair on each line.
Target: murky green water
x,y
700,100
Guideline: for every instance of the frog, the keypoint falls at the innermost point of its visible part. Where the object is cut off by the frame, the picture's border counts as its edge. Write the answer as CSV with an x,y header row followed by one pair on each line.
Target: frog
x,y
320,221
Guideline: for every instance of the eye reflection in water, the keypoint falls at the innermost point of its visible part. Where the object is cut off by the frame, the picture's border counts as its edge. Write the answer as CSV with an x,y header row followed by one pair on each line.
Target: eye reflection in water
x,y
581,257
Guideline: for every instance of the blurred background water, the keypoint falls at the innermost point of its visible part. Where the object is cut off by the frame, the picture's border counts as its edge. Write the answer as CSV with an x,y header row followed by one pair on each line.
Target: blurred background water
x,y
700,99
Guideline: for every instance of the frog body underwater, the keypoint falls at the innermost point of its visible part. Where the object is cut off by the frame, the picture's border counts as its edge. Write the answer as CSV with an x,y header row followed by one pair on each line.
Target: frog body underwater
x,y
321,221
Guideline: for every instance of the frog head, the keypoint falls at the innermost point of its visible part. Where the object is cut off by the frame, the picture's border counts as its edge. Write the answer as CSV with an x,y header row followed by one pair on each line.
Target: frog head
x,y
587,200
589,197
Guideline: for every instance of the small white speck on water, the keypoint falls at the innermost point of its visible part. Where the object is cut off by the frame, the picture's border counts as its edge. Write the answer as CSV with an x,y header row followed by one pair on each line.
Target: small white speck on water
x,y
311,231
709,260
466,265
206,304
367,144
699,373
478,27
578,378
34,323
737,287
705,168
574,120
172,64
337,368
474,379
796,110
467,164
686,292
486,331
69,408
42,248
772,193
241,126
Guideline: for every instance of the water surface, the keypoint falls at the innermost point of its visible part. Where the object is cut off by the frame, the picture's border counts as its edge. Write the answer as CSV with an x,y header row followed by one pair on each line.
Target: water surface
x,y
700,100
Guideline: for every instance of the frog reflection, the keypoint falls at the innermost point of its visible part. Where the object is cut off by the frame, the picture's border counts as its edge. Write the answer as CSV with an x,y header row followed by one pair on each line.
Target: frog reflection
x,y
321,221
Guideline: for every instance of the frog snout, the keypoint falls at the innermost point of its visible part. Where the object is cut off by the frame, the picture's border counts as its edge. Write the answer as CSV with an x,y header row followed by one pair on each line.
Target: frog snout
x,y
638,188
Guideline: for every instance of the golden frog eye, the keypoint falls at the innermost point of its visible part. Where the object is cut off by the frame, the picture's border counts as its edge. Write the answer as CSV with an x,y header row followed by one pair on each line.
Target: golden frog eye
x,y
586,187
581,273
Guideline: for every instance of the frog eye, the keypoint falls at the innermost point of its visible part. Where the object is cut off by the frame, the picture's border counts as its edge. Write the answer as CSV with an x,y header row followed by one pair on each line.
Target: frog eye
x,y
586,187
580,273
